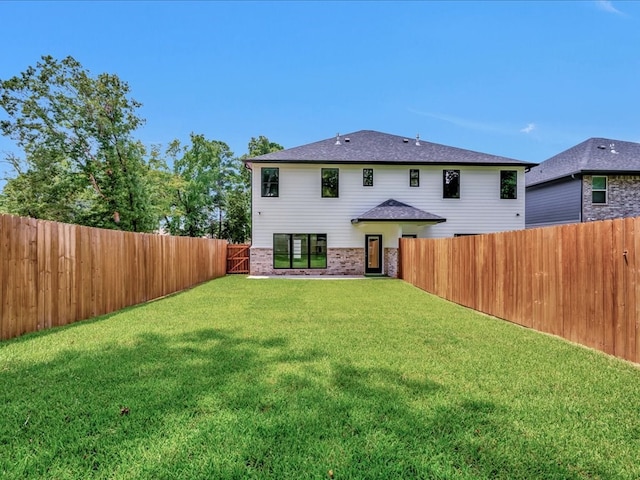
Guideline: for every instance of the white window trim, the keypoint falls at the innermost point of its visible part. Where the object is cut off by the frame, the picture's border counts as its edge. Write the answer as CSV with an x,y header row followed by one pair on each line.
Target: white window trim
x,y
605,190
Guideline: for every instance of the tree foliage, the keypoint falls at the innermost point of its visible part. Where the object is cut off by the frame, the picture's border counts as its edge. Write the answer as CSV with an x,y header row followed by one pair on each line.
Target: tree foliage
x,y
204,172
212,194
261,146
81,163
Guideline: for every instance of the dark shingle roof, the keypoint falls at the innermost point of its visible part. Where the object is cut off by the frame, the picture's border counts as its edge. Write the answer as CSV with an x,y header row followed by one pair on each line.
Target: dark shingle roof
x,y
595,155
394,211
368,146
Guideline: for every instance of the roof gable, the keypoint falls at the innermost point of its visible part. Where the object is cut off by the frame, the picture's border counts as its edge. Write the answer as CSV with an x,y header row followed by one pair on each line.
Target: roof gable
x,y
595,155
369,146
395,211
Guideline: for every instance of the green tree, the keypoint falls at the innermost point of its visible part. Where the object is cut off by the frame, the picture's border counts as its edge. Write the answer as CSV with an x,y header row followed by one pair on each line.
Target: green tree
x,y
237,222
204,172
261,146
81,163
211,189
38,192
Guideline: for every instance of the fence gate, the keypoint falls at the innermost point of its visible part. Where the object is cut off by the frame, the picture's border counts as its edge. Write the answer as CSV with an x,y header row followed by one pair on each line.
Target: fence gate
x,y
238,258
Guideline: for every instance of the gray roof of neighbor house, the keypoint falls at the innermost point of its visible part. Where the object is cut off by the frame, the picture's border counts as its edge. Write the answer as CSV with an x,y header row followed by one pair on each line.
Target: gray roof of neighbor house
x,y
394,211
368,146
593,156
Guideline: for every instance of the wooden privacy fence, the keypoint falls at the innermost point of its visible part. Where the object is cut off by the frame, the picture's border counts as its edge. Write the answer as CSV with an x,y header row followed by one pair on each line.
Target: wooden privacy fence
x,y
578,281
53,274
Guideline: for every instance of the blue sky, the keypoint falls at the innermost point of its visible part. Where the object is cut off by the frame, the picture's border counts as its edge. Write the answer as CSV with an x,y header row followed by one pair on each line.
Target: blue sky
x,y
520,79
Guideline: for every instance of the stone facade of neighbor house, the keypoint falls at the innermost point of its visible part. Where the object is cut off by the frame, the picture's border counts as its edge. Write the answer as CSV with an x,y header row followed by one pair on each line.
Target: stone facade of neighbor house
x,y
597,179
623,201
339,206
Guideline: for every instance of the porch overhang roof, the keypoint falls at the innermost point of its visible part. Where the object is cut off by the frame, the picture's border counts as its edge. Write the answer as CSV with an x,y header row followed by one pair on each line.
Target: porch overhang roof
x,y
398,212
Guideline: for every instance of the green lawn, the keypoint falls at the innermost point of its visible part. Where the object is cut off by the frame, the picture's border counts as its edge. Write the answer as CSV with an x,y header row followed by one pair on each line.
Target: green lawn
x,y
242,378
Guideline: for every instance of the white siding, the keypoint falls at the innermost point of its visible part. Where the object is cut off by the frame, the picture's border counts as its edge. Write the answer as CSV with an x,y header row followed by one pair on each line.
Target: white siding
x,y
301,209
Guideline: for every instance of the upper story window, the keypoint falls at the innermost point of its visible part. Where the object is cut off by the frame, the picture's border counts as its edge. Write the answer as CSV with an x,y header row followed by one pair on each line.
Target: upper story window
x,y
330,180
414,177
508,184
599,189
367,177
270,182
451,183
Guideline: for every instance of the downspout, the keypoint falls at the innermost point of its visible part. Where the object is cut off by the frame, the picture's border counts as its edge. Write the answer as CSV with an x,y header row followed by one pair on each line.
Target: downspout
x,y
581,196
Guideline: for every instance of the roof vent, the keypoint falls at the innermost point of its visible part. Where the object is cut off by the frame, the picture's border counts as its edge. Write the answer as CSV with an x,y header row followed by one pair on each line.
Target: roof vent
x,y
418,139
602,147
347,139
405,140
338,139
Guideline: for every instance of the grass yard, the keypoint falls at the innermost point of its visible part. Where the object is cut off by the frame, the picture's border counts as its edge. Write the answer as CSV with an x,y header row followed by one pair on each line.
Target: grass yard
x,y
355,379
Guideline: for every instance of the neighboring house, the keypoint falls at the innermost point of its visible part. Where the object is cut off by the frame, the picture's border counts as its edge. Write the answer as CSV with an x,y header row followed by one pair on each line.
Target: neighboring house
x,y
594,180
339,206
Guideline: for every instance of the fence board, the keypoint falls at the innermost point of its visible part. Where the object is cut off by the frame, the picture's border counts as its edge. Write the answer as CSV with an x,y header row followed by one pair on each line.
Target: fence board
x,y
577,281
618,287
54,274
569,265
610,261
537,280
633,290
552,318
632,296
30,255
4,270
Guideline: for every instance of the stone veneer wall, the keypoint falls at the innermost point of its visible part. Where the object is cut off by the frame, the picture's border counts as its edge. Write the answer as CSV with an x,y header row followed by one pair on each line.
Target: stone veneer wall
x,y
623,198
391,262
340,261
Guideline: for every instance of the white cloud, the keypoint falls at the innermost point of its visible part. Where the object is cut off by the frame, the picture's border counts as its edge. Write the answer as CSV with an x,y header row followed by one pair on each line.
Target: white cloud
x,y
607,6
529,128
463,122
502,129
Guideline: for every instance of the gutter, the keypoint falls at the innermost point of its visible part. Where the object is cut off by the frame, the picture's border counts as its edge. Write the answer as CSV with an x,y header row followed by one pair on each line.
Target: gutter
x,y
355,221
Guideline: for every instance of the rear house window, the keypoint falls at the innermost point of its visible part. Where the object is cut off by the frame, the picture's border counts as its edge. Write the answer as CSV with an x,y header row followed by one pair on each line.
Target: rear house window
x,y
270,182
330,182
300,250
367,177
508,184
451,183
414,177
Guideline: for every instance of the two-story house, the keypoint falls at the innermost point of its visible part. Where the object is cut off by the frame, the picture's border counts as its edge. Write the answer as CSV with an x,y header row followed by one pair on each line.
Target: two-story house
x,y
597,179
339,206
